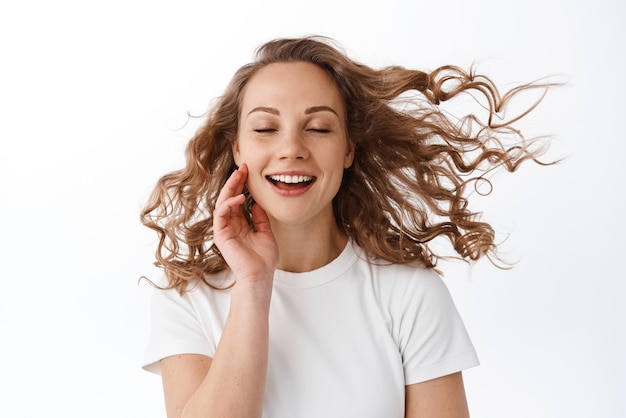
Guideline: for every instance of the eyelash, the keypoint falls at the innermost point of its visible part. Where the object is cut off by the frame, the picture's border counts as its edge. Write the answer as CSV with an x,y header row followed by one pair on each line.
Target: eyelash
x,y
270,130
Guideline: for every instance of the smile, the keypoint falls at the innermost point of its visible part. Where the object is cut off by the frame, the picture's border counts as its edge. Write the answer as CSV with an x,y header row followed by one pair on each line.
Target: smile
x,y
290,179
291,182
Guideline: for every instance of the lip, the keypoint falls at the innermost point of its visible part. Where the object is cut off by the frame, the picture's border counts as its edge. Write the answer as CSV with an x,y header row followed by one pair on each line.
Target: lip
x,y
291,192
290,173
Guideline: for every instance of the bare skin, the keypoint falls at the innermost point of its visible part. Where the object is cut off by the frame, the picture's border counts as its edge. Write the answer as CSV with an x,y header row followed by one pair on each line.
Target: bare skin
x,y
443,397
231,384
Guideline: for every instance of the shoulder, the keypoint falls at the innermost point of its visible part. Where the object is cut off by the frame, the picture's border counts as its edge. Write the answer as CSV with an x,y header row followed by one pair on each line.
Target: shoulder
x,y
401,280
401,288
190,322
211,290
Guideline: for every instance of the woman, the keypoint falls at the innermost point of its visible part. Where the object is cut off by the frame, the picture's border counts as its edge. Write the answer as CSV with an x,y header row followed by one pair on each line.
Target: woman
x,y
296,242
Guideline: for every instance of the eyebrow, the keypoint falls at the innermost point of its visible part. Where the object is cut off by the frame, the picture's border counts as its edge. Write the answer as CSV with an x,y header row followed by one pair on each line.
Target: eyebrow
x,y
271,110
308,111
315,109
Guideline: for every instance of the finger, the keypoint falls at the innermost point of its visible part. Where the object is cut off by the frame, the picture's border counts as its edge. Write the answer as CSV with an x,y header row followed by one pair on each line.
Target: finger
x,y
233,186
260,219
229,207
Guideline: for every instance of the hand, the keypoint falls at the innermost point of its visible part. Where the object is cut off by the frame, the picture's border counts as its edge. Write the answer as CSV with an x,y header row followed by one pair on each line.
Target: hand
x,y
251,255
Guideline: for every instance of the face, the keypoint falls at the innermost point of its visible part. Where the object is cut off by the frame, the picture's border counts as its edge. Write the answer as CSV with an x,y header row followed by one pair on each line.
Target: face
x,y
292,135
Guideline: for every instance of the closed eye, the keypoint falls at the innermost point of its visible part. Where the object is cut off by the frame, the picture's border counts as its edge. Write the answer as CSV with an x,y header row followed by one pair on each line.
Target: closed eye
x,y
264,131
319,131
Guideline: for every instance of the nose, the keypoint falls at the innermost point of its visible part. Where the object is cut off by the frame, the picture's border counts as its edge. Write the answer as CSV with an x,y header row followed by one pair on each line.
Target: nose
x,y
293,146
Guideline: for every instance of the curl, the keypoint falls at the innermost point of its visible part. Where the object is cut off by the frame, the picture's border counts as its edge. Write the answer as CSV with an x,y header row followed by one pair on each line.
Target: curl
x,y
415,163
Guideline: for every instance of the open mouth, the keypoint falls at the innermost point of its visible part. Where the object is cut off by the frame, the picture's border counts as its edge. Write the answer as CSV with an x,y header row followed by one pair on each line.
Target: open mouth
x,y
290,182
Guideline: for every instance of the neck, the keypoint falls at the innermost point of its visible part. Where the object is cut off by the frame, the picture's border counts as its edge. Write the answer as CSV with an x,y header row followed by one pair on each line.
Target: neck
x,y
305,249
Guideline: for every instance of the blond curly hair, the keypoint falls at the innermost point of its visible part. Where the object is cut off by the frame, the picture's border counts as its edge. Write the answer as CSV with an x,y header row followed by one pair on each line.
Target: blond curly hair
x,y
414,165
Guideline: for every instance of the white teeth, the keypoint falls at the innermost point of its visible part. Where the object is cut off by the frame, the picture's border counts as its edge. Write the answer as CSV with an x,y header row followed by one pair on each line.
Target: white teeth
x,y
291,179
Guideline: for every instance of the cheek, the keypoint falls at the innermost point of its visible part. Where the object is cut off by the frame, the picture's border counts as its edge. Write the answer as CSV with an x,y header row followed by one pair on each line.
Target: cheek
x,y
339,157
243,152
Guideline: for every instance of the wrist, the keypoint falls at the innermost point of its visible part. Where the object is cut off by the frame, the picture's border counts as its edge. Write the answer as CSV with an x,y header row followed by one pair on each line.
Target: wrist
x,y
256,292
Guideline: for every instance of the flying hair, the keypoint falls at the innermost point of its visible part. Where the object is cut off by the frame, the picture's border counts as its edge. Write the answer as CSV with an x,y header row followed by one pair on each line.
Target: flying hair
x,y
414,163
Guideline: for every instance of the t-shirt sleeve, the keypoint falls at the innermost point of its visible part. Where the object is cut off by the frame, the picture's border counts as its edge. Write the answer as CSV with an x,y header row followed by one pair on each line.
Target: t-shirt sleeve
x,y
432,337
175,329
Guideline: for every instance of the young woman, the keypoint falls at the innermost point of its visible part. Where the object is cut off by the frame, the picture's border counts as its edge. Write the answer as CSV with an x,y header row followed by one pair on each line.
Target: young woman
x,y
296,242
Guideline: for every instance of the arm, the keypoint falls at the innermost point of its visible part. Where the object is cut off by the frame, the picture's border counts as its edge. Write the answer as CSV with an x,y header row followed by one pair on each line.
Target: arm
x,y
232,384
443,397
182,375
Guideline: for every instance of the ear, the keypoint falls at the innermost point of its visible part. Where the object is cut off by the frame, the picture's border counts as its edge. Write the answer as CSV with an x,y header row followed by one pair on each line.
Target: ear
x,y
236,153
349,159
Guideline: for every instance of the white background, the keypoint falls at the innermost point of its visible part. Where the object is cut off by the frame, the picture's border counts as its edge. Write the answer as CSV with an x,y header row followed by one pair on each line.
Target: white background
x,y
93,96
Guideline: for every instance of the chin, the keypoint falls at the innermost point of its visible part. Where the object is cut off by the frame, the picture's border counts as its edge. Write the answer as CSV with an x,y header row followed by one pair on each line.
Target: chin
x,y
295,218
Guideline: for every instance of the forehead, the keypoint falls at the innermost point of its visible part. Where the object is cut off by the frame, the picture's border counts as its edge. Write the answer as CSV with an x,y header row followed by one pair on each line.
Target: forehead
x,y
291,85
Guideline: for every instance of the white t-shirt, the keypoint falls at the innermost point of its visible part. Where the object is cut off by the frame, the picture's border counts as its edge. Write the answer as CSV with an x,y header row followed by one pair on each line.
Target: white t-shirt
x,y
344,340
